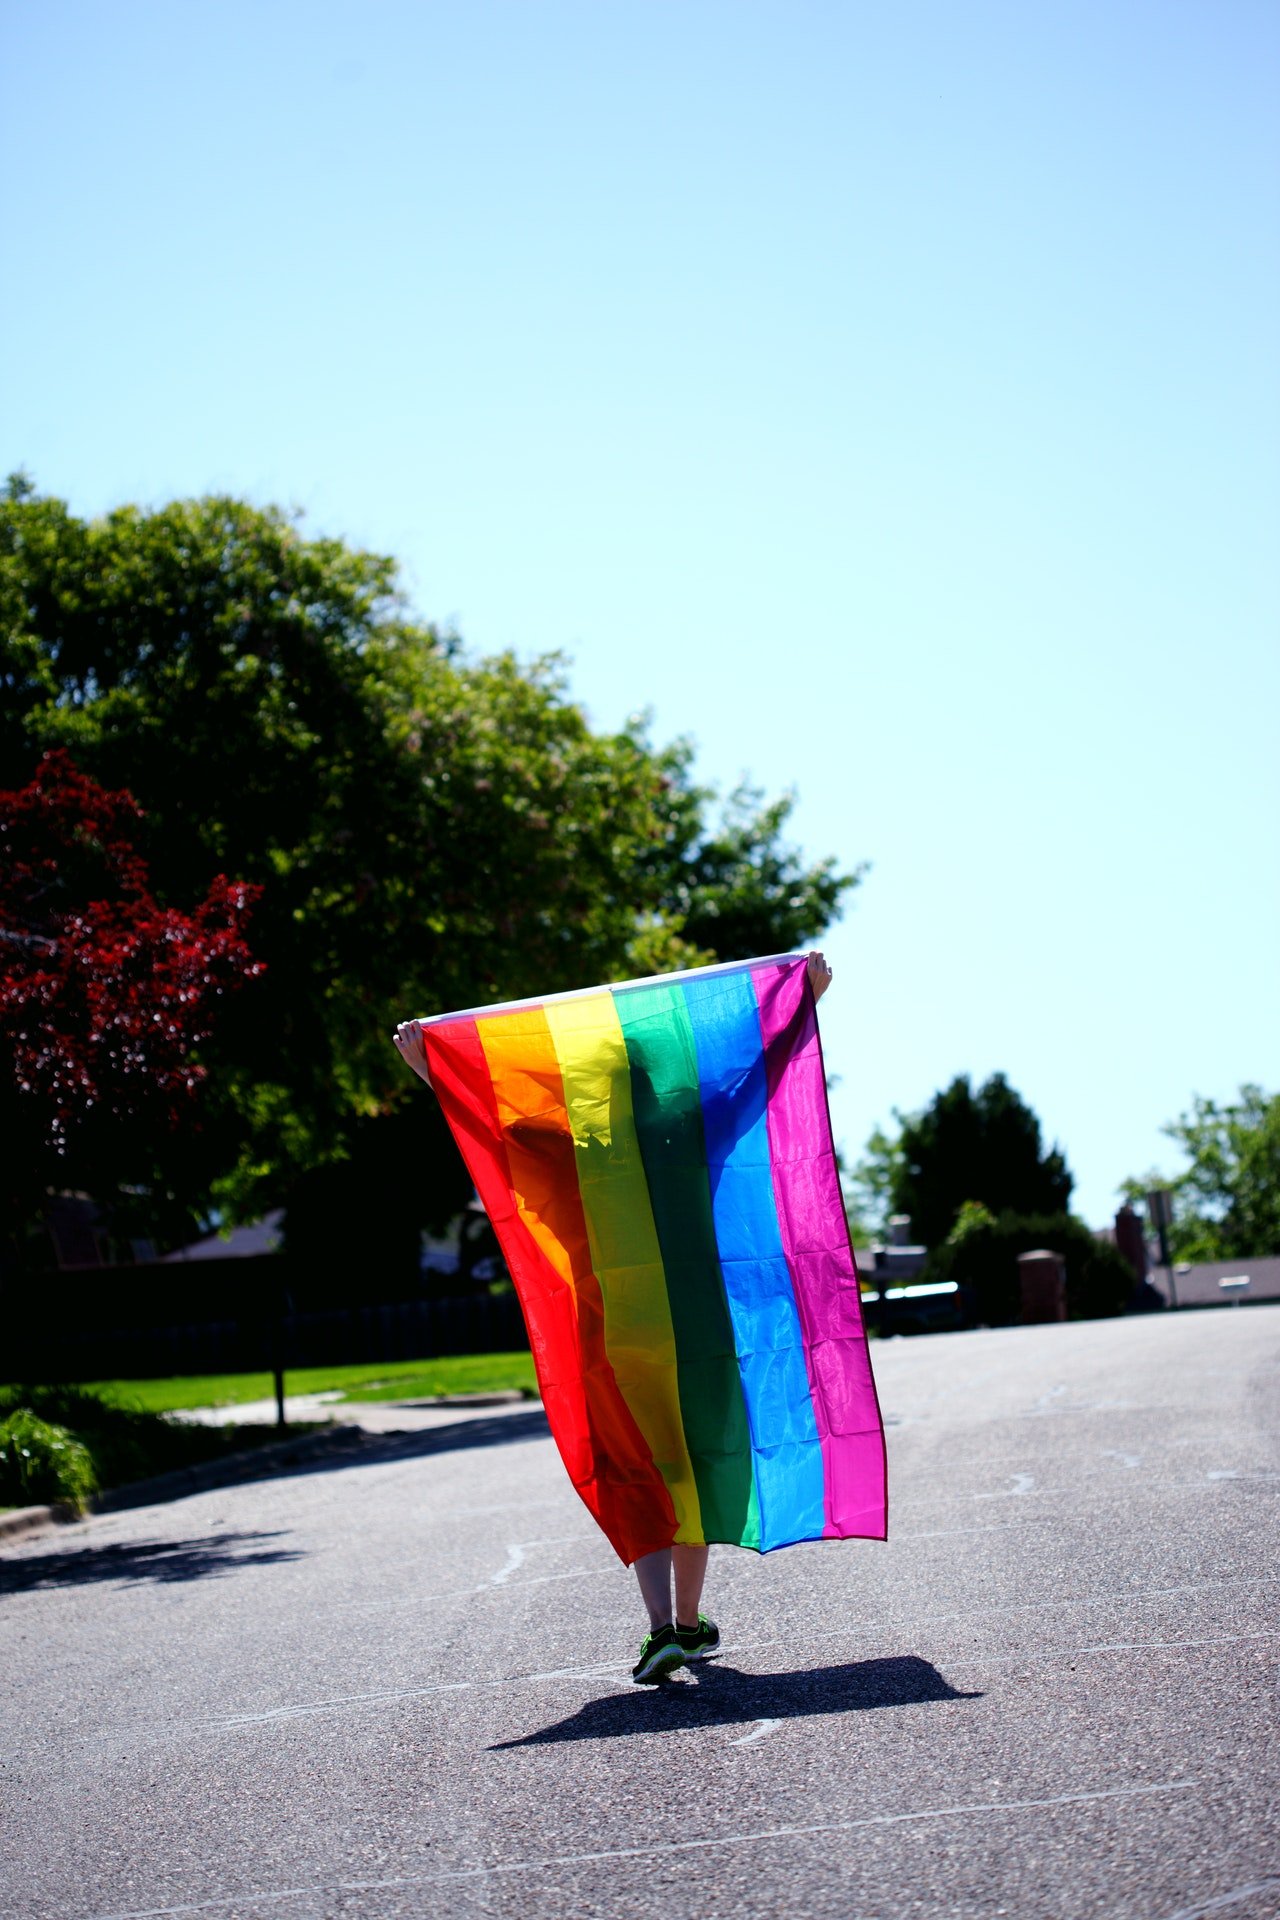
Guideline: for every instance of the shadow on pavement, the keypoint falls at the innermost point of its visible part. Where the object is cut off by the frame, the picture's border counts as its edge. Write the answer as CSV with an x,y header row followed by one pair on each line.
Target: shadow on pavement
x,y
722,1696
333,1451
159,1560
376,1449
362,1449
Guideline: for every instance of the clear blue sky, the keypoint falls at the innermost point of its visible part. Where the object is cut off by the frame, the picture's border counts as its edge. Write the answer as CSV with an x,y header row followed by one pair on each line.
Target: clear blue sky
x,y
887,396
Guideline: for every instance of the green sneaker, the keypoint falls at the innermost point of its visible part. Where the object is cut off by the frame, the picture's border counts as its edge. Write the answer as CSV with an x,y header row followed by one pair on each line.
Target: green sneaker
x,y
697,1642
660,1654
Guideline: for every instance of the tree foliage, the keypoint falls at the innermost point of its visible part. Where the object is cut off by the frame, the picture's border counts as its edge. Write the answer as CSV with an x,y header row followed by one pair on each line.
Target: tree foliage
x,y
427,830
874,1179
737,888
982,1259
1227,1201
970,1146
104,993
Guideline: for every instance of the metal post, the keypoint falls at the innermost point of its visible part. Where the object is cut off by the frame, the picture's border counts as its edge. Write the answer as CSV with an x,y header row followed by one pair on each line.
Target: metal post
x,y
1160,1212
277,1351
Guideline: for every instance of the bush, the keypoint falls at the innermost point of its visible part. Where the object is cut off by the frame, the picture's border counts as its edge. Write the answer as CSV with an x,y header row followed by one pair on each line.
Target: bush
x,y
123,1444
42,1462
983,1259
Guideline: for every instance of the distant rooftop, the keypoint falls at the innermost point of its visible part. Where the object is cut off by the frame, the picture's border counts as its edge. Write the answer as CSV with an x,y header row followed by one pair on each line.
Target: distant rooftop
x,y
1217,1283
242,1243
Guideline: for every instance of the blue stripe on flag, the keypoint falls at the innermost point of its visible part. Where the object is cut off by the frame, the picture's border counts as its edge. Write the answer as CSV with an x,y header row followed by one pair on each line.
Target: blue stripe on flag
x,y
733,1088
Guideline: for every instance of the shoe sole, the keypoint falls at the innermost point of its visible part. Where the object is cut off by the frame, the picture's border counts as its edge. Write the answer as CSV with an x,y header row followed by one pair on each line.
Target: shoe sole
x,y
659,1667
701,1653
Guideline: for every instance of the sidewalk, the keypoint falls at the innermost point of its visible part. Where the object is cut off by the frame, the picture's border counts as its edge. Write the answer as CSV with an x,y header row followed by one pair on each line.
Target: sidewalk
x,y
370,1414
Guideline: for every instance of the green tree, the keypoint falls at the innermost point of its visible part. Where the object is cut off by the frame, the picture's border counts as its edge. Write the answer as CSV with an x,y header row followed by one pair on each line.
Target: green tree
x,y
1227,1201
428,830
968,1146
736,886
981,1256
105,996
874,1180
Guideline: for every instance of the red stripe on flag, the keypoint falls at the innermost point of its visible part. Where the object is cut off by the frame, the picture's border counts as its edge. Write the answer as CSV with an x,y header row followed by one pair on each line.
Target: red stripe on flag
x,y
601,1446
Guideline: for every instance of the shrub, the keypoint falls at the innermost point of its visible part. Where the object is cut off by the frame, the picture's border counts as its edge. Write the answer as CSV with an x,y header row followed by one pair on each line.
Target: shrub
x,y
983,1259
122,1443
42,1462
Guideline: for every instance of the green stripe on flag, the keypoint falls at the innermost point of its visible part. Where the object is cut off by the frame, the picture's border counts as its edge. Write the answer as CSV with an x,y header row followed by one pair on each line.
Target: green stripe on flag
x,y
668,1117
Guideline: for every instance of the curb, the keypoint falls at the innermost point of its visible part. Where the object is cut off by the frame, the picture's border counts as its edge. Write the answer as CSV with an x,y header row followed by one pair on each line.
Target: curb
x,y
25,1520
233,1469
500,1397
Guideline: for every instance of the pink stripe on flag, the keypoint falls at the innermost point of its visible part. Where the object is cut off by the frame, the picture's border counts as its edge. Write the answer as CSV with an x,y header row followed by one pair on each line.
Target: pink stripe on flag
x,y
815,1238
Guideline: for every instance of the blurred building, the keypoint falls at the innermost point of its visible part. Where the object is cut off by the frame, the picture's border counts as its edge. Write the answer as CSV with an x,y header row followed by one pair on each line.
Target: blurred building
x,y
1218,1283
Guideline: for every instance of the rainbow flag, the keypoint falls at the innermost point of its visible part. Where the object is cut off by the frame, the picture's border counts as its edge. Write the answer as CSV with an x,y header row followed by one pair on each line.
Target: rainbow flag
x,y
657,1163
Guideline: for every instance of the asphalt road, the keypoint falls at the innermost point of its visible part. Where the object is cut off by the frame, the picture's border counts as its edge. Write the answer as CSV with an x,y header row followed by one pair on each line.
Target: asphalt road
x,y
400,1686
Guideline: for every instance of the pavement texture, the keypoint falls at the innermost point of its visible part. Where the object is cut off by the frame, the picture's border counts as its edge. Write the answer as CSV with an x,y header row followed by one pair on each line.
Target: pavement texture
x,y
395,1682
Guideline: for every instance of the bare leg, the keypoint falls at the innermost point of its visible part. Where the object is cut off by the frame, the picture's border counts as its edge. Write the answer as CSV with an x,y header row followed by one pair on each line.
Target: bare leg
x,y
653,1571
690,1567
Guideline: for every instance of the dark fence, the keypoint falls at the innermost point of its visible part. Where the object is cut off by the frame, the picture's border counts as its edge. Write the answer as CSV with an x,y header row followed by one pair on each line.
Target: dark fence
x,y
228,1316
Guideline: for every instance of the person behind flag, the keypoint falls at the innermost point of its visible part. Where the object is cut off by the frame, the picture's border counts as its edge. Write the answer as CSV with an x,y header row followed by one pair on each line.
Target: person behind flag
x,y
671,1579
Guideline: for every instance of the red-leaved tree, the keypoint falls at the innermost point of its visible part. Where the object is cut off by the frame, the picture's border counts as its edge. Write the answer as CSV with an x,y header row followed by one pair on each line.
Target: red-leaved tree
x,y
104,993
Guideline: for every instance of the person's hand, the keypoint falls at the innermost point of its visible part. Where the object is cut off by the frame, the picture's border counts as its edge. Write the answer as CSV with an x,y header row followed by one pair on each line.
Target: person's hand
x,y
819,974
408,1039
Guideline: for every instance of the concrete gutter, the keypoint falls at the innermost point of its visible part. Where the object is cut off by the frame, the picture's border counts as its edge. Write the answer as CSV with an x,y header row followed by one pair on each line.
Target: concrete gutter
x,y
24,1520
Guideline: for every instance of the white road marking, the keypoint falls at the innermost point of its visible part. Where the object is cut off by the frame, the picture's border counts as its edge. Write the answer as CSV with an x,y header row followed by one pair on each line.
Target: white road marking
x,y
303,1711
1210,1479
964,1387
949,1533
1084,1489
1218,1901
1058,1604
574,1573
617,1673
611,1670
468,1593
1123,1646
1022,1483
749,1739
389,1696
1050,1403
503,1506
515,1559
1125,1459
658,1850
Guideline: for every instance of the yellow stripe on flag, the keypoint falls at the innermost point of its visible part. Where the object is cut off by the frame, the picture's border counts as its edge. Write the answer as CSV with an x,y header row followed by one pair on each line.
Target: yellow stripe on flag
x,y
639,1337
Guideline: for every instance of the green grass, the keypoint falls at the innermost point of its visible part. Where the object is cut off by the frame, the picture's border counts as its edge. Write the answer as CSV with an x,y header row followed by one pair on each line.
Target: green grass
x,y
395,1380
